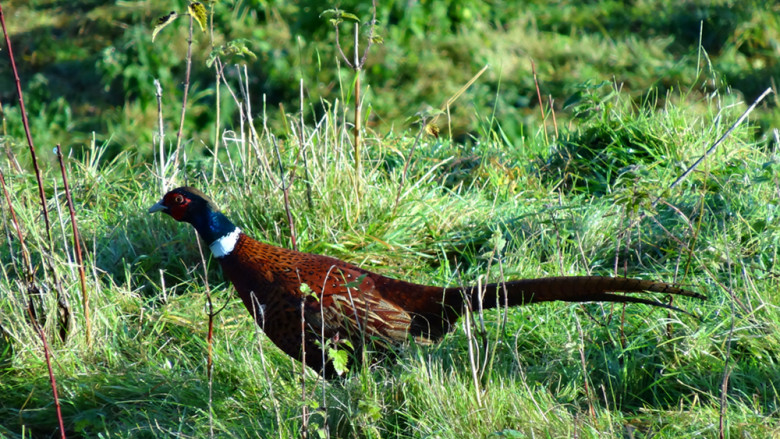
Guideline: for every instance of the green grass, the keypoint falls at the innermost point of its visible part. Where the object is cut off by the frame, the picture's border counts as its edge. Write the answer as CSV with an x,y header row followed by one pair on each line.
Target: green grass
x,y
514,200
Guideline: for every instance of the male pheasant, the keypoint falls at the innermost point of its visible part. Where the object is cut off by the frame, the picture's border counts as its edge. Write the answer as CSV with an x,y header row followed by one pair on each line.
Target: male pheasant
x,y
283,288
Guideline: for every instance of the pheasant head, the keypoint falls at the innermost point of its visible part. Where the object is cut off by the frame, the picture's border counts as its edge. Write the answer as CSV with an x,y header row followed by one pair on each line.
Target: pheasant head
x,y
193,206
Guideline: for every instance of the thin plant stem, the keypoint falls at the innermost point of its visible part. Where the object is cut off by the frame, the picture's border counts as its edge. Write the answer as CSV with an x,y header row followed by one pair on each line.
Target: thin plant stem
x,y
286,194
583,363
64,310
357,65
77,246
25,252
451,100
218,74
423,122
717,142
160,134
358,108
304,406
539,97
9,152
184,98
26,124
303,146
52,380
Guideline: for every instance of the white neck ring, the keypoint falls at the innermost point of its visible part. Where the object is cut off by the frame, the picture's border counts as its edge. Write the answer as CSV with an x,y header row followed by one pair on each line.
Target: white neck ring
x,y
224,245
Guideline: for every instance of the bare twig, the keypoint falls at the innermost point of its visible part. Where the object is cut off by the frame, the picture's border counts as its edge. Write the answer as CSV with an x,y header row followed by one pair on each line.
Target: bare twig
x,y
358,107
218,101
26,124
304,407
160,134
217,86
585,369
209,336
423,122
52,380
184,98
77,246
286,194
28,270
445,107
724,385
303,148
8,150
473,355
552,111
64,309
357,65
539,96
717,142
706,154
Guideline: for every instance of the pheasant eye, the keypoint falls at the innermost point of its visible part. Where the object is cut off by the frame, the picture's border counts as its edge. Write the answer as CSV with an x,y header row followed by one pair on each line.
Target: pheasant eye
x,y
178,199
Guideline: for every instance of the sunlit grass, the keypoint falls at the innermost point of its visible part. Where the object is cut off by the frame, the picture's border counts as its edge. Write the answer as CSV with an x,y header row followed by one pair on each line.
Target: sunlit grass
x,y
502,204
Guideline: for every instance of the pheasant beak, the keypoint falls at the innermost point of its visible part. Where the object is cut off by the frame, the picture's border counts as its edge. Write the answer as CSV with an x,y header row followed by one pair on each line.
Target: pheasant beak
x,y
158,207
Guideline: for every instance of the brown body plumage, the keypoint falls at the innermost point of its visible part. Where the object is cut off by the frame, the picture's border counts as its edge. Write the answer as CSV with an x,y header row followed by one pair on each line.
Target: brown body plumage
x,y
304,300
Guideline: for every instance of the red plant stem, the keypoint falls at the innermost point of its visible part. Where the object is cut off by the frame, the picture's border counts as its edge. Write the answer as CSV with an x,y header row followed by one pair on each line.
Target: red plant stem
x,y
52,380
539,96
77,245
26,125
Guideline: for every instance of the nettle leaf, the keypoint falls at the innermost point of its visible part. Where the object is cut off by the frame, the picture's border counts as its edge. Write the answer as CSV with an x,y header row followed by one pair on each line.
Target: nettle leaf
x,y
338,16
306,291
162,22
573,100
339,359
355,283
432,129
349,16
234,48
198,12
497,241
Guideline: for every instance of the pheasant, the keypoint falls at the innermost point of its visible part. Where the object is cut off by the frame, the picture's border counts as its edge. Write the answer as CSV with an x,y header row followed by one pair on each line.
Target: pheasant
x,y
305,301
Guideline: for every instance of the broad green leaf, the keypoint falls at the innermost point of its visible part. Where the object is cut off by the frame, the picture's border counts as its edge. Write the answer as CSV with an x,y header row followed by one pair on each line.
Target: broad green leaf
x,y
574,99
349,16
339,359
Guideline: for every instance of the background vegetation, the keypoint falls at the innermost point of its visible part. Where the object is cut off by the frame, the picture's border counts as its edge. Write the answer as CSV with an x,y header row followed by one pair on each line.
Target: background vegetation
x,y
632,93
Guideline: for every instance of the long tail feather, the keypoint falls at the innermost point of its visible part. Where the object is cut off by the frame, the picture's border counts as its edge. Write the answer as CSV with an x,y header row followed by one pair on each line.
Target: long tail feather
x,y
572,289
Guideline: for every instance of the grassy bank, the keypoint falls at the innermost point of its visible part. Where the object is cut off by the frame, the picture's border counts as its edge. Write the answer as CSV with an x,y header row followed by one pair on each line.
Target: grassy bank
x,y
568,193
